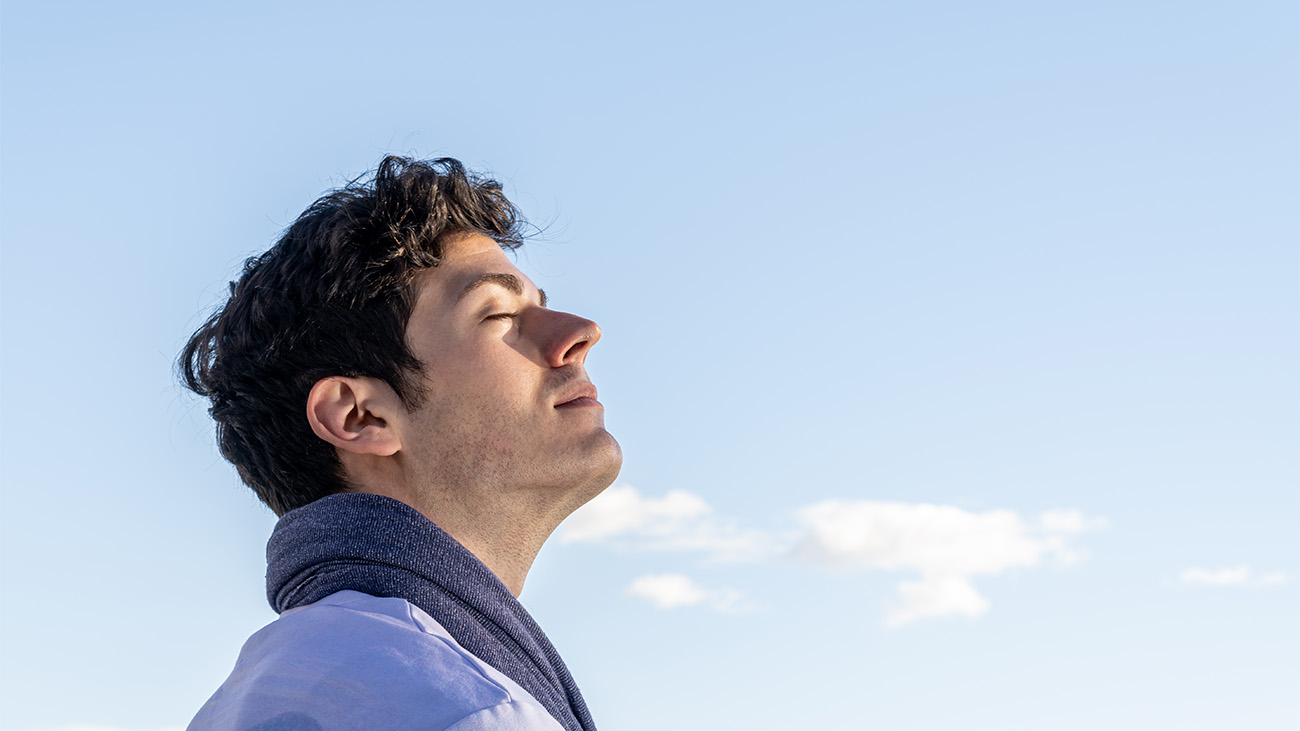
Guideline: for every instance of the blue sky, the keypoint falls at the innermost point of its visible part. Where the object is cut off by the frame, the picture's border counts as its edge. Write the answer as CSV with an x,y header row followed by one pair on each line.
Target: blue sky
x,y
952,347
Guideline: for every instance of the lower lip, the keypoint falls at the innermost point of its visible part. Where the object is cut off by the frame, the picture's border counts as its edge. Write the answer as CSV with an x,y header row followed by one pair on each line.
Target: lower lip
x,y
577,403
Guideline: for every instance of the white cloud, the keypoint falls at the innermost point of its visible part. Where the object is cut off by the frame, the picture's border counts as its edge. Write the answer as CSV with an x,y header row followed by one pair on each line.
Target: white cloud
x,y
672,591
678,521
1233,576
1069,522
935,597
945,544
932,539
621,510
667,591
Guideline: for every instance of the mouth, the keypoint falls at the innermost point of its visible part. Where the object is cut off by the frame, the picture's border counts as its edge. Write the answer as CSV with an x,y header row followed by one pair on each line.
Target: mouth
x,y
583,395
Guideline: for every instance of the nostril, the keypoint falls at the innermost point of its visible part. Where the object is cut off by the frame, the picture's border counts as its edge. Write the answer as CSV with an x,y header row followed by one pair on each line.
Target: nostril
x,y
574,336
576,349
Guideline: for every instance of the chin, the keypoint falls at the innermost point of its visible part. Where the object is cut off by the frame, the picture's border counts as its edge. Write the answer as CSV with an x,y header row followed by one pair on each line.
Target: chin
x,y
604,462
601,468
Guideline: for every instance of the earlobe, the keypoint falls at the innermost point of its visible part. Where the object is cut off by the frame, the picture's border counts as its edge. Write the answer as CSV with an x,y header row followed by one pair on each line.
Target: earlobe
x,y
355,415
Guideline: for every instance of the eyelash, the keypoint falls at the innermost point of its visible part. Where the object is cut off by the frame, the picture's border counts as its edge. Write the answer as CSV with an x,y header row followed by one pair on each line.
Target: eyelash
x,y
503,316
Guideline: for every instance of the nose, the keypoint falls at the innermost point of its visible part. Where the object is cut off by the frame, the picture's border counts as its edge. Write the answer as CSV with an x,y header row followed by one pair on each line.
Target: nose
x,y
571,337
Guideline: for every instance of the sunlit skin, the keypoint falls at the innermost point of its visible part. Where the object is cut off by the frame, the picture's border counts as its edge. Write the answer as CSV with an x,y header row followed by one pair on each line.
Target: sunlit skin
x,y
510,439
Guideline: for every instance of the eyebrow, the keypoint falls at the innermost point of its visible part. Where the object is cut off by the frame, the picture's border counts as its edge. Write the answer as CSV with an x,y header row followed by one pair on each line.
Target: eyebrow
x,y
507,281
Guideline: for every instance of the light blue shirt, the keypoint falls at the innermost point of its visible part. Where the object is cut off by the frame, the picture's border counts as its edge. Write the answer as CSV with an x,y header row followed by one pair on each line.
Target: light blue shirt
x,y
354,661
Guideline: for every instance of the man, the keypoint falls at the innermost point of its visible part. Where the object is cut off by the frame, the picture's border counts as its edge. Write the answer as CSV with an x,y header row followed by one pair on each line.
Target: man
x,y
394,388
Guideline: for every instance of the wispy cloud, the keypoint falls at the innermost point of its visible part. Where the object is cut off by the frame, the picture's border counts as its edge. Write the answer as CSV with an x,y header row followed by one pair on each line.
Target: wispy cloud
x,y
944,545
678,521
672,591
1240,576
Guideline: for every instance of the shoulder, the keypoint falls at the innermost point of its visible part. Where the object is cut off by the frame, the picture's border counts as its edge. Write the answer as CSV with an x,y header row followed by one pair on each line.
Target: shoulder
x,y
354,661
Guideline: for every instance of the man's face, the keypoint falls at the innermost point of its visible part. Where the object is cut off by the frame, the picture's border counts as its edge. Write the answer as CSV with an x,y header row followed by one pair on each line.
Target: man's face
x,y
509,407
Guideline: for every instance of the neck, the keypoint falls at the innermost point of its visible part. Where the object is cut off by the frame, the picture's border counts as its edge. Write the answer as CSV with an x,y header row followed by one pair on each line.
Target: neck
x,y
506,544
509,557
505,537
503,528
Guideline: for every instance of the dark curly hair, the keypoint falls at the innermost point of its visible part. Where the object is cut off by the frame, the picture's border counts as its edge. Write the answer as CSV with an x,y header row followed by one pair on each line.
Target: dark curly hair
x,y
332,297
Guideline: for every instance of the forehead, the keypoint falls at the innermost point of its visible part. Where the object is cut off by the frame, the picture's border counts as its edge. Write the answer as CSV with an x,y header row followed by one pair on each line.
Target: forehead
x,y
465,259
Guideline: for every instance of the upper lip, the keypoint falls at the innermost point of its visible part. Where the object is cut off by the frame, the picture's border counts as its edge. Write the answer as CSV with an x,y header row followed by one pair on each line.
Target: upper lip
x,y
577,391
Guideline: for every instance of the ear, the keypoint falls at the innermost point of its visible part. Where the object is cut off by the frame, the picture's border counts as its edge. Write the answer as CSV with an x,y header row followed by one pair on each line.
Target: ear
x,y
355,414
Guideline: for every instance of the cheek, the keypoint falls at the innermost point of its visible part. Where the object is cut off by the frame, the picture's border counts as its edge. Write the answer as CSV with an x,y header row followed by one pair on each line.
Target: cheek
x,y
490,390
508,378
478,394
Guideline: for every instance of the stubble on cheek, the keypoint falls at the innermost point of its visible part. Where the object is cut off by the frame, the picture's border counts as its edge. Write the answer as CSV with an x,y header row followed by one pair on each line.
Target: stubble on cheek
x,y
476,445
473,443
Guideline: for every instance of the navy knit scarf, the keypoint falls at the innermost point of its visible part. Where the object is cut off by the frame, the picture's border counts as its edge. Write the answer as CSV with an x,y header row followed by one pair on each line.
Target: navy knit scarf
x,y
383,547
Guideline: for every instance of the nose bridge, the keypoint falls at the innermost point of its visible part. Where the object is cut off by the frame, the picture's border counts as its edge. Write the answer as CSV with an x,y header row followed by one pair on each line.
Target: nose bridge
x,y
571,337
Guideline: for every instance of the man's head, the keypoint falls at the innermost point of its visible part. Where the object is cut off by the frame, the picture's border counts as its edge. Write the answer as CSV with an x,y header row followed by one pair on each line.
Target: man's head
x,y
387,344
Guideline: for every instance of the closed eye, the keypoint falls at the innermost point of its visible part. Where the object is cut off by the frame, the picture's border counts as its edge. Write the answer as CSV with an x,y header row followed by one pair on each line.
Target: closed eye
x,y
502,316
